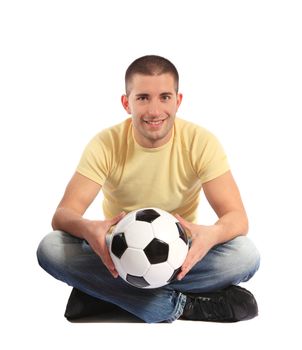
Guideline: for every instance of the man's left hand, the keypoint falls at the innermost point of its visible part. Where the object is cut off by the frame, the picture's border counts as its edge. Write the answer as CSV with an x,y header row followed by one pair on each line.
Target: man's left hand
x,y
203,239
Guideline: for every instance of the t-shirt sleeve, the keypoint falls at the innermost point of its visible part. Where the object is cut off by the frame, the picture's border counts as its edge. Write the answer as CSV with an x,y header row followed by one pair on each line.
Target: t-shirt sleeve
x,y
95,160
211,160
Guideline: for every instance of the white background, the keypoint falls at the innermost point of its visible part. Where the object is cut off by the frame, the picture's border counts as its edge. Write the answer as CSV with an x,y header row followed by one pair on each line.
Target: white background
x,y
62,66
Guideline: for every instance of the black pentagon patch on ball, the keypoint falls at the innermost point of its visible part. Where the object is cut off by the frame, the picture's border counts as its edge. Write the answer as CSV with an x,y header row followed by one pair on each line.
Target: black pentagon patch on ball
x,y
157,251
148,215
119,244
175,273
182,232
137,281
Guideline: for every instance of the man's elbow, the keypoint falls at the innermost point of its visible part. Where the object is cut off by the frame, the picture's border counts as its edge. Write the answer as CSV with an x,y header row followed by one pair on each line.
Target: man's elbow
x,y
55,221
244,225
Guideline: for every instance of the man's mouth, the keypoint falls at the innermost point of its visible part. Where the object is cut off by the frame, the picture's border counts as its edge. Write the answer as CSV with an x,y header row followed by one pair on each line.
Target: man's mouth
x,y
154,122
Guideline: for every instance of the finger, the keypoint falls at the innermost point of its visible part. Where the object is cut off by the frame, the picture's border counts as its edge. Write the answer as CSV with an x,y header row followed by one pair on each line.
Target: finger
x,y
191,259
111,268
106,258
184,270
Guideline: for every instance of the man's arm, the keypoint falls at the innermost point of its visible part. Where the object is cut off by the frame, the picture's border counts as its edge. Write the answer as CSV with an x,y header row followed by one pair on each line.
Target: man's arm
x,y
223,195
79,194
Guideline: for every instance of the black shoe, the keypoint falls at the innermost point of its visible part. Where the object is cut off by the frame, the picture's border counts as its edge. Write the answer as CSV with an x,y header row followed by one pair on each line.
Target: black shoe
x,y
231,304
81,305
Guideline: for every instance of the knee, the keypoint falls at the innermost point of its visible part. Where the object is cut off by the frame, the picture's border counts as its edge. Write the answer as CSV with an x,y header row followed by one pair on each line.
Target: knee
x,y
246,256
49,251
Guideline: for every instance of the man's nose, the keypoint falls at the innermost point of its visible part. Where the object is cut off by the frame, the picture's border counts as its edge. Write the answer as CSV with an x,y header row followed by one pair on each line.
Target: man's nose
x,y
154,108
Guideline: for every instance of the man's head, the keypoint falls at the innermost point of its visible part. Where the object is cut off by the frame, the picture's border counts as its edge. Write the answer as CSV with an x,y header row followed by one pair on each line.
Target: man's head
x,y
152,99
150,65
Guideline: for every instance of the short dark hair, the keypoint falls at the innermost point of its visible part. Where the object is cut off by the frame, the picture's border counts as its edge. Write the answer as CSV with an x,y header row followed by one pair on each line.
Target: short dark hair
x,y
151,65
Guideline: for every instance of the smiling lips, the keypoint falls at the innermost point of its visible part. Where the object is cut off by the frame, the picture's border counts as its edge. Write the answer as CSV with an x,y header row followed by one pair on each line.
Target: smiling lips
x,y
154,122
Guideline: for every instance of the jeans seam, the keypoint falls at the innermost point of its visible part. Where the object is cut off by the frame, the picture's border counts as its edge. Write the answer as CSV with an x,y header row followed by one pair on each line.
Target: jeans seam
x,y
181,302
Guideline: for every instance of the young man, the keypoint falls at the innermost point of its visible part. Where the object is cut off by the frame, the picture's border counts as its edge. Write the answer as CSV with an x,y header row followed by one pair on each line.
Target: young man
x,y
155,159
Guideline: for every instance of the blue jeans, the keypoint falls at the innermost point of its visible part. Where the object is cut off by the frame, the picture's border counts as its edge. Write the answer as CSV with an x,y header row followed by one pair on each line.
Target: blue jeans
x,y
72,261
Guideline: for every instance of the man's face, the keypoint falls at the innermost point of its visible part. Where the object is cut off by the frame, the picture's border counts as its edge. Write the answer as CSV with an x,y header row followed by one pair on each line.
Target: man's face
x,y
153,102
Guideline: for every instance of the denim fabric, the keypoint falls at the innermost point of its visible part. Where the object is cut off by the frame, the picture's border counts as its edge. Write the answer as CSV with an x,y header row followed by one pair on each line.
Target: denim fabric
x,y
72,261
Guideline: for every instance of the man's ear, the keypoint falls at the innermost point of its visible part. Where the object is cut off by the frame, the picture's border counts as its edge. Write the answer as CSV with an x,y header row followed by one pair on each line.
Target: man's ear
x,y
125,103
179,99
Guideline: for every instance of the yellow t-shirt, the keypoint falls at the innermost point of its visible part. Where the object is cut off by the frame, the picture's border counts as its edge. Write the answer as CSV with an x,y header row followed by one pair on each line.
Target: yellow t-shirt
x,y
169,177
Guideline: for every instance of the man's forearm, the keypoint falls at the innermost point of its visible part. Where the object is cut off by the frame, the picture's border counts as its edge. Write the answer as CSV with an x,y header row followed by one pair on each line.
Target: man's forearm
x,y
231,225
69,221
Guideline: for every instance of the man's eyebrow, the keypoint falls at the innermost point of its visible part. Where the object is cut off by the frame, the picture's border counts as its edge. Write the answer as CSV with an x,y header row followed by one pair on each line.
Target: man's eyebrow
x,y
142,95
145,94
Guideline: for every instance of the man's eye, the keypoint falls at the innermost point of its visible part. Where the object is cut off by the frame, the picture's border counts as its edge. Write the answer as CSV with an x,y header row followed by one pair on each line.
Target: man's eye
x,y
142,98
166,97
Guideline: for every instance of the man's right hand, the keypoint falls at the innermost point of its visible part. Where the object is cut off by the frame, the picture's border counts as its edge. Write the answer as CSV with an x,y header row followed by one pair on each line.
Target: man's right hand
x,y
96,237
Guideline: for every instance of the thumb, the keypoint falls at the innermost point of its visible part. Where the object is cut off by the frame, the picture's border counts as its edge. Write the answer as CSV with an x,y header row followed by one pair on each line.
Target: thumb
x,y
186,224
116,218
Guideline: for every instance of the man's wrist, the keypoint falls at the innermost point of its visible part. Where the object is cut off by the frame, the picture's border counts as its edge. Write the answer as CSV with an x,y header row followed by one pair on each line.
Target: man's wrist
x,y
89,228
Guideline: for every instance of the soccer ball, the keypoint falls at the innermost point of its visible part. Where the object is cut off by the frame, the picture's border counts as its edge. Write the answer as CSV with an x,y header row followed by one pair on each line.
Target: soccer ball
x,y
148,247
